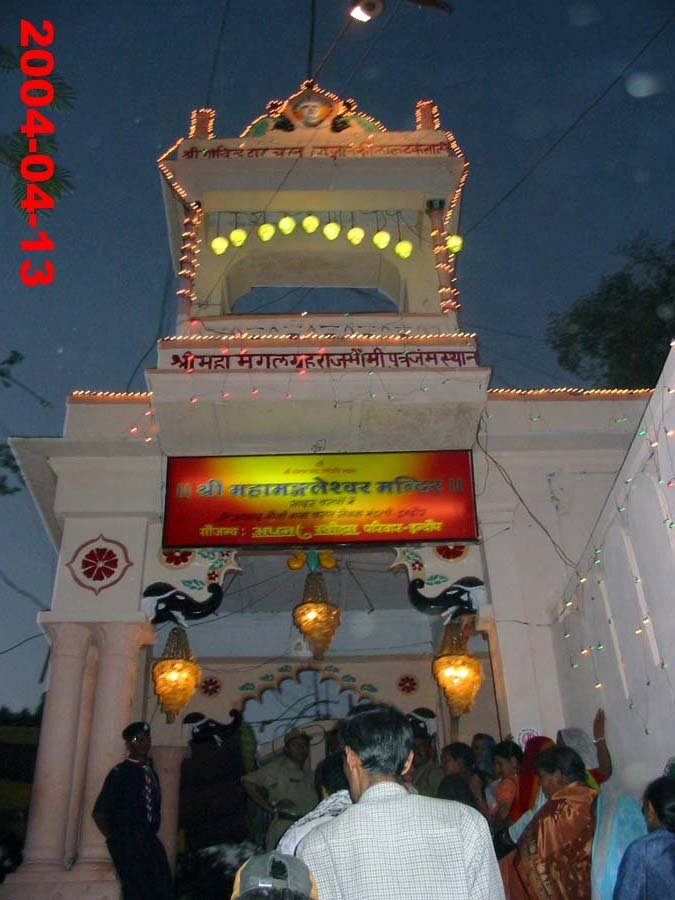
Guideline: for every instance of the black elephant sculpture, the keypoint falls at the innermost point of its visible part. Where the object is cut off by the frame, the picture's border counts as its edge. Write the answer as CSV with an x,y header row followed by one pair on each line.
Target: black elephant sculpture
x,y
460,597
205,729
163,602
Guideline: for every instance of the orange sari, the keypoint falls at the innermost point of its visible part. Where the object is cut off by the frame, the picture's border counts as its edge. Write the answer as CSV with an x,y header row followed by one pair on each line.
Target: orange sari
x,y
553,857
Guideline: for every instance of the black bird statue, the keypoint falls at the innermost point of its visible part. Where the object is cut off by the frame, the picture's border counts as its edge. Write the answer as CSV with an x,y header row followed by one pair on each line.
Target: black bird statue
x,y
458,595
164,603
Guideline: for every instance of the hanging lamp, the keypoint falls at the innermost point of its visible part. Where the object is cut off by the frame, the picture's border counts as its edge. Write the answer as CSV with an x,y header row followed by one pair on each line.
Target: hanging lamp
x,y
457,672
175,675
316,618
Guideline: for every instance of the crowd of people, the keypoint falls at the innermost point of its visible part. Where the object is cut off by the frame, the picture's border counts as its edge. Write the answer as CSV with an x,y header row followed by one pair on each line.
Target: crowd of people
x,y
386,816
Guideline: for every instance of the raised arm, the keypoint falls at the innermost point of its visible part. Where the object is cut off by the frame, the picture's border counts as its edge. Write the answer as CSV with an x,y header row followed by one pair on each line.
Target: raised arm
x,y
604,758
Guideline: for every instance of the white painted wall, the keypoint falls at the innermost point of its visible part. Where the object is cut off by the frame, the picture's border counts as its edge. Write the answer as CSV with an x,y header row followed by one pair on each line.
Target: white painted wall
x,y
635,670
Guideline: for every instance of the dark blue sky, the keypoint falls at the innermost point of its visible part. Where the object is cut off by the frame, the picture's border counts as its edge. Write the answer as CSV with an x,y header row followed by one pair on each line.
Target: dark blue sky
x,y
508,77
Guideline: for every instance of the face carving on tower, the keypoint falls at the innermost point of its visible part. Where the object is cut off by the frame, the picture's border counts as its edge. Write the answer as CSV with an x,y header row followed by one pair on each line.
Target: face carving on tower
x,y
311,109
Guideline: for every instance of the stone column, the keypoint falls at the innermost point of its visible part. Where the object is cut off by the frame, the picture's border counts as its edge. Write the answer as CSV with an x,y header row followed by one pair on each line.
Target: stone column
x,y
79,763
167,761
52,784
119,644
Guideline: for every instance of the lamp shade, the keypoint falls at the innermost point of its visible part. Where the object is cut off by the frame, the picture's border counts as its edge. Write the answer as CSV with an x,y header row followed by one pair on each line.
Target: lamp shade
x,y
457,672
175,675
286,225
238,237
331,230
266,231
403,249
219,244
316,618
454,243
382,239
310,223
355,235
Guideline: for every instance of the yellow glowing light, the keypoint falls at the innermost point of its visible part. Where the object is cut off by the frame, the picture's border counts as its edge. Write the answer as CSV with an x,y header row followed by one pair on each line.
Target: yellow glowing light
x,y
403,249
355,235
175,675
238,237
287,225
266,231
456,671
454,243
219,245
310,223
331,230
316,618
381,239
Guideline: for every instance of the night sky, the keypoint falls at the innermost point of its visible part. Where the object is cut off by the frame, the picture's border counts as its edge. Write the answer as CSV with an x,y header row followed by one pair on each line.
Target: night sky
x,y
509,78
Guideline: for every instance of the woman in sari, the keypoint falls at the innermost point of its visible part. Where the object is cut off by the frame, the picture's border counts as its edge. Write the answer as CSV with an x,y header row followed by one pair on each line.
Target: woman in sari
x,y
507,758
595,753
552,860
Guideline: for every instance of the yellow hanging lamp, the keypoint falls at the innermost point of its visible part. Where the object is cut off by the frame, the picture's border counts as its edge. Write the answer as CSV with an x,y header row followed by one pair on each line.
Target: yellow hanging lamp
x,y
457,672
175,675
316,618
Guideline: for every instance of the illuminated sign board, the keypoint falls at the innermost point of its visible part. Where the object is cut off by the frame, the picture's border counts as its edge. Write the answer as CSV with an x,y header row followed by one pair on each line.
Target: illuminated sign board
x,y
328,498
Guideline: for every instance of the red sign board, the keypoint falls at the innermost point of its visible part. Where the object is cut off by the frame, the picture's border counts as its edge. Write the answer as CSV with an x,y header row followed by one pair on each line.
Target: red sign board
x,y
336,498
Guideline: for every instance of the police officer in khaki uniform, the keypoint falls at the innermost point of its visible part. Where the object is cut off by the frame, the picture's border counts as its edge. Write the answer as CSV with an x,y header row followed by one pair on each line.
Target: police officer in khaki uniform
x,y
284,788
427,774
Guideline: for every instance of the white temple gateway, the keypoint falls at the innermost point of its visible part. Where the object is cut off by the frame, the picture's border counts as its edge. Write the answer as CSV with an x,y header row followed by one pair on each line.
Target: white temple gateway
x,y
364,447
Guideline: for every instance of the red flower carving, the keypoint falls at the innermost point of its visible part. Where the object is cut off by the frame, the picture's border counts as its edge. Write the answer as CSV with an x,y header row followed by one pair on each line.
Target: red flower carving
x,y
407,684
99,564
177,558
210,687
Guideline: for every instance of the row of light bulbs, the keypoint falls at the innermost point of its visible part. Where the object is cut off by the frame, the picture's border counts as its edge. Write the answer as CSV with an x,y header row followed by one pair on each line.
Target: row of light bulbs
x,y
331,231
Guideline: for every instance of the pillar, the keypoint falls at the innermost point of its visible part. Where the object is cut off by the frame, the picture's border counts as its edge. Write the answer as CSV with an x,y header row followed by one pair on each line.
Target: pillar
x,y
79,763
51,792
119,644
167,762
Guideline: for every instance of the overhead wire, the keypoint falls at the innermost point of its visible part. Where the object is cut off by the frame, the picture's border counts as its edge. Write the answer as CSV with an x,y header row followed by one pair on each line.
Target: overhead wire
x,y
570,128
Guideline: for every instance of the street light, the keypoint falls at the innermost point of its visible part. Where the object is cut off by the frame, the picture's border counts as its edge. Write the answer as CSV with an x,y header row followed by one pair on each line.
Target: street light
x,y
365,10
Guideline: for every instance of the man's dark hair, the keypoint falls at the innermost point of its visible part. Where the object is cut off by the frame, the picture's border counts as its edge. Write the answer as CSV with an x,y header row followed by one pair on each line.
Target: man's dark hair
x,y
661,795
329,774
461,752
508,750
563,759
454,787
380,735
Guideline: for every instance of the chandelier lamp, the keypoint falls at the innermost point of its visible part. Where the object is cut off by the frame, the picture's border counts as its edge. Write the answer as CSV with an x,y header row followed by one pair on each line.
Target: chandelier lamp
x,y
457,672
175,675
316,618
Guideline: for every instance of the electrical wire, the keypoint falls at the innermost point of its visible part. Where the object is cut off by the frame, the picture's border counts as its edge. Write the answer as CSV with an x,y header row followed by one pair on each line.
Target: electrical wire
x,y
567,561
20,643
582,115
21,591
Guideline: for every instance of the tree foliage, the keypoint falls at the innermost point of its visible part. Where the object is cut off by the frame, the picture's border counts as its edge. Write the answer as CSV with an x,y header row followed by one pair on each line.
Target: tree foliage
x,y
10,483
619,335
14,147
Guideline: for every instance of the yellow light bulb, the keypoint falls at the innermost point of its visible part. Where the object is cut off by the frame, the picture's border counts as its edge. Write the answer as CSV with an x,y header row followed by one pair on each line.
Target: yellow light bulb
x,y
266,231
403,249
310,223
287,225
331,230
381,239
238,237
355,235
454,243
219,245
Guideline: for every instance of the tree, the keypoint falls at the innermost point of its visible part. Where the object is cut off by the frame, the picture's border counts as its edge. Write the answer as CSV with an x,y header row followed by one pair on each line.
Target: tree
x,y
14,147
619,335
7,461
